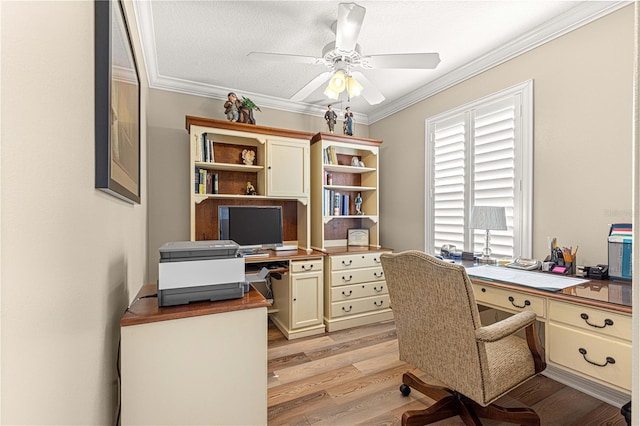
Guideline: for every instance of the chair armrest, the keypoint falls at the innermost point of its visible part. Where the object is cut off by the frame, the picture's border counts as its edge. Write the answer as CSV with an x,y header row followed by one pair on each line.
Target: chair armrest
x,y
506,327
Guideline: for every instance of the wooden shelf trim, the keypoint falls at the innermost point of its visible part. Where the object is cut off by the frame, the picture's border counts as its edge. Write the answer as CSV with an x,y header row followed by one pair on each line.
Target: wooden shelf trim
x,y
199,198
347,169
327,219
243,128
350,188
228,166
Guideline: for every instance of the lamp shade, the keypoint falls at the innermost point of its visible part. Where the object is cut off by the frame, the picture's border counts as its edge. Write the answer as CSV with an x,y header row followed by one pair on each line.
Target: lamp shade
x,y
488,217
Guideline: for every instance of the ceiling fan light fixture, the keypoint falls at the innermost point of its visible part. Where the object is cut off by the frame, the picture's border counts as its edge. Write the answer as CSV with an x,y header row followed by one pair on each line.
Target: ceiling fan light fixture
x,y
338,80
353,87
330,92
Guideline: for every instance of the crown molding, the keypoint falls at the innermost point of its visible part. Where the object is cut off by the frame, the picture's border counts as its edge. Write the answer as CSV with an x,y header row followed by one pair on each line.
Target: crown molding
x,y
578,16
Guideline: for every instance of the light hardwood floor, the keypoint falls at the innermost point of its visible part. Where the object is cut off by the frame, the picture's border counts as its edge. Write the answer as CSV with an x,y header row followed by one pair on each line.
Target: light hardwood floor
x,y
351,377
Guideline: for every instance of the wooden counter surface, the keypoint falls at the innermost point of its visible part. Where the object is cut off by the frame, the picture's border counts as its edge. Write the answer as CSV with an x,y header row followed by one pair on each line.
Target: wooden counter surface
x,y
146,310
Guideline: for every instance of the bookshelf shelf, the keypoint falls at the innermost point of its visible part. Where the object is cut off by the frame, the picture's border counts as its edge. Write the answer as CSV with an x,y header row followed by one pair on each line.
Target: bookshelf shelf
x,y
228,167
348,169
350,188
328,219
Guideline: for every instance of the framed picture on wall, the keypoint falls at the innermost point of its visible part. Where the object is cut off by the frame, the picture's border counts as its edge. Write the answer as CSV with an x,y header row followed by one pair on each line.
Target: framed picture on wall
x,y
117,104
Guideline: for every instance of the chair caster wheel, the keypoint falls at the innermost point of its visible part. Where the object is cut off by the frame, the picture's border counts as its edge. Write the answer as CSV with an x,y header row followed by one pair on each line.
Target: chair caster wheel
x,y
405,390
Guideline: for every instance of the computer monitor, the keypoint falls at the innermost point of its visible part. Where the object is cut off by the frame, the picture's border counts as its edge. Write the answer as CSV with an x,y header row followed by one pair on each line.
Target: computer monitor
x,y
251,227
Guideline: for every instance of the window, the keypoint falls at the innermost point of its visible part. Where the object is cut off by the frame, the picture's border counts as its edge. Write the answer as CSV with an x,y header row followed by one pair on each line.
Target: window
x,y
481,154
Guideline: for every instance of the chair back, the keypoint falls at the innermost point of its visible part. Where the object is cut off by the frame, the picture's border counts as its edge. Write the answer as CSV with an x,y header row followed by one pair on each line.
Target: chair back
x,y
436,317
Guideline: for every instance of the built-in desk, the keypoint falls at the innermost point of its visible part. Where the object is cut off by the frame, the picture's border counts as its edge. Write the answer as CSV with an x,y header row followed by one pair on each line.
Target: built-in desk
x,y
587,331
202,363
296,279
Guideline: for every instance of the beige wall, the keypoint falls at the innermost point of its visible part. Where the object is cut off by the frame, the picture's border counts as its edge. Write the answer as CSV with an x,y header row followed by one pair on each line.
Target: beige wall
x,y
582,140
169,159
72,256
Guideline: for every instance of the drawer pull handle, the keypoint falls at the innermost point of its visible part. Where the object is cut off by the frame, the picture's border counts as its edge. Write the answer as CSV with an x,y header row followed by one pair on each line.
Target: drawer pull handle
x,y
526,303
347,310
347,264
376,303
347,279
607,321
375,274
375,259
378,290
304,268
608,360
347,295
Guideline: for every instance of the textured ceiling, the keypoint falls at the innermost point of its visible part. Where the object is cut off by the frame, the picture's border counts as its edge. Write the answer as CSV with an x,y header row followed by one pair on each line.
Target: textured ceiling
x,y
201,47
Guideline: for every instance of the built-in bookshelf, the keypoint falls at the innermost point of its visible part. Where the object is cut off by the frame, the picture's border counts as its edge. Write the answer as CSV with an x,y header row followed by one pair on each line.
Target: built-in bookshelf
x,y
222,174
343,169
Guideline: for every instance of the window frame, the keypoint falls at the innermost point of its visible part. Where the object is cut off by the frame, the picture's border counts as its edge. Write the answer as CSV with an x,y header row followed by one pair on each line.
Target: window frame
x,y
523,167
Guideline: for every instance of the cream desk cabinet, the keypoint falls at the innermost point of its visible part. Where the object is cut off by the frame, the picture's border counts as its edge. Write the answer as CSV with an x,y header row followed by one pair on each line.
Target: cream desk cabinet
x,y
355,289
587,331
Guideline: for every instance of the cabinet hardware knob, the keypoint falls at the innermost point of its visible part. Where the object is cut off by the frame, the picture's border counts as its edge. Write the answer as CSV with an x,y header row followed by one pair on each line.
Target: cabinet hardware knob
x,y
608,360
607,321
347,295
304,267
376,289
376,303
347,279
347,310
375,274
526,303
375,259
347,264
484,290
294,299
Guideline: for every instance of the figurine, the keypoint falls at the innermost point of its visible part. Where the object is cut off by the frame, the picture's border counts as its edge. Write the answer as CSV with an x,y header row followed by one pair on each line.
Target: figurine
x,y
348,122
250,189
248,157
331,117
232,107
359,205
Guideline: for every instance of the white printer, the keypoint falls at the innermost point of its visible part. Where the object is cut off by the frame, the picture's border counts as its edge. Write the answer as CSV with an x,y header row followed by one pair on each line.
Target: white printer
x,y
195,271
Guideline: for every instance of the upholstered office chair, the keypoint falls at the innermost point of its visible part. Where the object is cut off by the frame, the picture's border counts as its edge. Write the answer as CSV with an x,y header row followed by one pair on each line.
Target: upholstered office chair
x,y
439,332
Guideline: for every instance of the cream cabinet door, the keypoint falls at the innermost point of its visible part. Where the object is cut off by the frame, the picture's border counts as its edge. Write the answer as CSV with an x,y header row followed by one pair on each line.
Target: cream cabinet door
x,y
287,168
306,301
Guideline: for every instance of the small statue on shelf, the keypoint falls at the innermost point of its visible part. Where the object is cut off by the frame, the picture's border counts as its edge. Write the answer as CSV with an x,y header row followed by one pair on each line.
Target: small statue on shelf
x,y
348,122
331,117
248,156
232,107
250,189
358,202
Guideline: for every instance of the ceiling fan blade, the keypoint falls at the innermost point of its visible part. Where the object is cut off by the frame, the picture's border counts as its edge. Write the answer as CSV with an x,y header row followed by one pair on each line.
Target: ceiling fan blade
x,y
425,61
281,57
350,17
311,86
370,93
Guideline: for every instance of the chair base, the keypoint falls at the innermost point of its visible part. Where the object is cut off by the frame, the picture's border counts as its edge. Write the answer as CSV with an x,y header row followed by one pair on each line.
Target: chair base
x,y
450,403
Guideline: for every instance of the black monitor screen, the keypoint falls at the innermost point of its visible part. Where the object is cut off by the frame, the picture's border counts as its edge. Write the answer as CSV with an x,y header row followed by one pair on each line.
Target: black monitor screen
x,y
251,226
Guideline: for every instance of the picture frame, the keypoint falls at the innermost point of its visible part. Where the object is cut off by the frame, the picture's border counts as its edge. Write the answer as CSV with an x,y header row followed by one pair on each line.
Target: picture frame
x,y
117,104
358,237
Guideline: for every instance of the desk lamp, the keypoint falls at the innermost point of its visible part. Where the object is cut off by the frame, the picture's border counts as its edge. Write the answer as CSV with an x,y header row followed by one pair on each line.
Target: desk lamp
x,y
488,218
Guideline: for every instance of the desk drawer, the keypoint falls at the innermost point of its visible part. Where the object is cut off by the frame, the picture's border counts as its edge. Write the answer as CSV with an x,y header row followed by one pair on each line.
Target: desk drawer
x,y
306,265
355,261
351,292
591,319
350,307
357,276
564,349
513,301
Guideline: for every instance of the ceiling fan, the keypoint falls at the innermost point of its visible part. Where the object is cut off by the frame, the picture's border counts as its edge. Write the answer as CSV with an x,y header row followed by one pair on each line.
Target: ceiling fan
x,y
342,55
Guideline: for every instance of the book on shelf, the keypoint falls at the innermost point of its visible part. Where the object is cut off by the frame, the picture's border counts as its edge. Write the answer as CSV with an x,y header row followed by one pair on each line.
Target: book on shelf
x,y
215,183
337,201
345,205
330,155
204,149
206,182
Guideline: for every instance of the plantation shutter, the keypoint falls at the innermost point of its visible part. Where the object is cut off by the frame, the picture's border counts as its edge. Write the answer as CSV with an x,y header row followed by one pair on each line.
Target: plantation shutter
x,y
480,154
494,169
449,182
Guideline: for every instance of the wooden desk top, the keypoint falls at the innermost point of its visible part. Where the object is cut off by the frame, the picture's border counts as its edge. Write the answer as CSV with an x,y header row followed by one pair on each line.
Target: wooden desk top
x,y
146,310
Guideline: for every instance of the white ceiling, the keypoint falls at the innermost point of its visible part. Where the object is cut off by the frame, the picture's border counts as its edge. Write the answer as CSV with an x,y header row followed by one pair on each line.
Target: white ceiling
x,y
201,47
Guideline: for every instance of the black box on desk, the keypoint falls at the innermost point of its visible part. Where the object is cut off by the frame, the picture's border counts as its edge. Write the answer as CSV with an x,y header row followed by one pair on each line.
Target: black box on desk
x,y
620,257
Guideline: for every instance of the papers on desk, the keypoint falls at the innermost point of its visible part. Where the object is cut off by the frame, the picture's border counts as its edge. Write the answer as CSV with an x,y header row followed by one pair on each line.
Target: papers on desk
x,y
540,280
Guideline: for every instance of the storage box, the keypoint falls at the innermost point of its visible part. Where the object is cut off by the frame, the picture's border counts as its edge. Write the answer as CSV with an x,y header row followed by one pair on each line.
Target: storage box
x,y
620,257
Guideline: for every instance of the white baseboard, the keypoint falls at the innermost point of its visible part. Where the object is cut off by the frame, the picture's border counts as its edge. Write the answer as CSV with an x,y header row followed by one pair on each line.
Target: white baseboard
x,y
596,390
